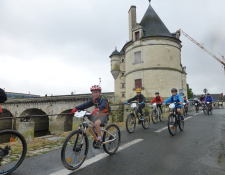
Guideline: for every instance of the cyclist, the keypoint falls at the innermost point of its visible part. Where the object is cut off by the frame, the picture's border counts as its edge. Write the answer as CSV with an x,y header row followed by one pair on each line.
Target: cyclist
x,y
186,101
176,98
158,101
197,103
3,98
101,112
140,99
209,98
202,98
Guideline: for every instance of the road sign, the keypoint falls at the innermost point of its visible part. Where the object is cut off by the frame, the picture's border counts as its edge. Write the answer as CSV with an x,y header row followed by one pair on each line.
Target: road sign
x,y
181,94
205,91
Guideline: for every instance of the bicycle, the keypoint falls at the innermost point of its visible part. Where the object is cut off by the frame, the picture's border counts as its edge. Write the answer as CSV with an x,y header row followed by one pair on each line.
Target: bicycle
x,y
13,149
75,147
196,107
156,113
174,120
207,108
131,119
185,110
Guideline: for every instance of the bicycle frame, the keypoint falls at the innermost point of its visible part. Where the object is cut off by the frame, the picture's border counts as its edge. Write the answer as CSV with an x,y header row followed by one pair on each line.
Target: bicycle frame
x,y
87,124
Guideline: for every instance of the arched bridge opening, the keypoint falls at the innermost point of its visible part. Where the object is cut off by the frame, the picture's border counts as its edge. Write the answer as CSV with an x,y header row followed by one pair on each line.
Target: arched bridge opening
x,y
62,123
5,124
41,126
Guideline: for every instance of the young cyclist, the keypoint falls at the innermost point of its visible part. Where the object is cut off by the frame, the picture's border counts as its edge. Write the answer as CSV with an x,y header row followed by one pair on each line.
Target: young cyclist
x,y
175,98
202,98
197,104
186,101
158,101
101,112
3,98
209,98
140,99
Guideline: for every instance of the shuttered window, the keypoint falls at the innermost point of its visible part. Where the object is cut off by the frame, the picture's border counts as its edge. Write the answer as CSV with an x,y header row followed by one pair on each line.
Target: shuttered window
x,y
138,83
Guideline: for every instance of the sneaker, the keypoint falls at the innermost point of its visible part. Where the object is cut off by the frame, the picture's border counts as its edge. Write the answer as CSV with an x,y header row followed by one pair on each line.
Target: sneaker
x,y
98,144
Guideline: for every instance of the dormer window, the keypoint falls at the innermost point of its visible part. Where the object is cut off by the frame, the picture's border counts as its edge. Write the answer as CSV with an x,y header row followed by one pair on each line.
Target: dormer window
x,y
137,36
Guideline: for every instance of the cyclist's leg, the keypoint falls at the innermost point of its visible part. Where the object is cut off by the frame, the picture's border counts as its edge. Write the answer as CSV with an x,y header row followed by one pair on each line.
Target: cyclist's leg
x,y
140,109
160,107
180,113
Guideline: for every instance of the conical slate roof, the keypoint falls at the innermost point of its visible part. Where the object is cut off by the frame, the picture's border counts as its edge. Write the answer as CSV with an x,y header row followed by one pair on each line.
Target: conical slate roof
x,y
115,52
153,25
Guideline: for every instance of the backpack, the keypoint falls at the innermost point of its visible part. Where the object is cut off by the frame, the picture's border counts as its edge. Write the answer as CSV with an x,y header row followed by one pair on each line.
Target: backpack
x,y
3,96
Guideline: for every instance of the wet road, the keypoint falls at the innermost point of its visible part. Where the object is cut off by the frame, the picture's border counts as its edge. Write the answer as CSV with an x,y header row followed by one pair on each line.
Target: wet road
x,y
196,150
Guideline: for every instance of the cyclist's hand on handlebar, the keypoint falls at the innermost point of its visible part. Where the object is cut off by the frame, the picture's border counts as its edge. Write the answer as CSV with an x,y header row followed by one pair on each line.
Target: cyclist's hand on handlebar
x,y
141,103
95,111
126,103
181,102
74,110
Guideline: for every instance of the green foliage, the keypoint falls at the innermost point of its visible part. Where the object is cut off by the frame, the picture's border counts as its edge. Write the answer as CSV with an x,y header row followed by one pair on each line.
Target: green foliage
x,y
189,92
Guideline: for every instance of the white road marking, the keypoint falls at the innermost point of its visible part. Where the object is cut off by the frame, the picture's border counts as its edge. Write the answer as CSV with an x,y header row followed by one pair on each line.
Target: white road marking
x,y
95,159
160,130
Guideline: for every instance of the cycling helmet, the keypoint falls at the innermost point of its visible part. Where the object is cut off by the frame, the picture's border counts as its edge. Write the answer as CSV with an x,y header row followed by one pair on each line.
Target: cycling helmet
x,y
157,93
138,90
96,87
184,96
208,93
174,90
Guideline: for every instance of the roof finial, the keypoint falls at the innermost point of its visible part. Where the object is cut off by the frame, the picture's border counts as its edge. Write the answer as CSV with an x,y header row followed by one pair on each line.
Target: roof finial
x,y
115,48
149,1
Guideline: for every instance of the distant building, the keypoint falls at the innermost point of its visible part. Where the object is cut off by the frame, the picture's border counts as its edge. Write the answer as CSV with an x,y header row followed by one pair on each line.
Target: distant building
x,y
20,95
151,60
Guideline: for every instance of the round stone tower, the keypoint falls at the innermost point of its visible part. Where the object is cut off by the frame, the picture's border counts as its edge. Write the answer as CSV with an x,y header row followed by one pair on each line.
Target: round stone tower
x,y
151,59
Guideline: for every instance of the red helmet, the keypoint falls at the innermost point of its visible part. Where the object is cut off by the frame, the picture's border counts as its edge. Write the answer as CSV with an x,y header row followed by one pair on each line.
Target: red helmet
x,y
96,87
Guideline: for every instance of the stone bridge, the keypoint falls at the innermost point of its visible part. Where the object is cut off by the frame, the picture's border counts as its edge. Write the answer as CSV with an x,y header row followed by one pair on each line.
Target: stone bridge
x,y
45,105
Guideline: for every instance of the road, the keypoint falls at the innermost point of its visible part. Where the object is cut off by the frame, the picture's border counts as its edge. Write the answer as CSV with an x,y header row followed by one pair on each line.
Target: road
x,y
196,150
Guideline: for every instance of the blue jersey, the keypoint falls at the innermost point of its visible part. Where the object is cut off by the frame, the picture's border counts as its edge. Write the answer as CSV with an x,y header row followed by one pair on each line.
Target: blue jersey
x,y
209,99
177,98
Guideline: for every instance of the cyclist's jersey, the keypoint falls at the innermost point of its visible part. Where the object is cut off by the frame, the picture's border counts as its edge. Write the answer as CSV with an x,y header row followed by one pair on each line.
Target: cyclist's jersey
x,y
157,99
209,99
177,98
0,109
139,98
101,103
186,100
197,103
202,99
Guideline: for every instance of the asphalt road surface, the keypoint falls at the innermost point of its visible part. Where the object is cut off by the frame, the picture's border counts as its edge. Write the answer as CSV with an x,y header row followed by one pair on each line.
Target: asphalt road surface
x,y
199,149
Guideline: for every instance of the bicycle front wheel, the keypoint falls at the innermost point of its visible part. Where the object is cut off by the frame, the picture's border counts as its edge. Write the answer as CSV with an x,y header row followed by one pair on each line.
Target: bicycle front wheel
x,y
160,116
112,137
130,123
13,149
146,122
172,124
205,109
181,125
74,150
154,116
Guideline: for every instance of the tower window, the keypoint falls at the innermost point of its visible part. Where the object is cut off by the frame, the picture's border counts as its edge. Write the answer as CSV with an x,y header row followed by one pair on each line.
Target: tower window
x,y
122,85
122,60
123,95
137,36
137,57
122,74
138,83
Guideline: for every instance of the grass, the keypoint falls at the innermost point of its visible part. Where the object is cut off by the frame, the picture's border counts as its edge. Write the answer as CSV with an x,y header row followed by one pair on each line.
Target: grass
x,y
219,160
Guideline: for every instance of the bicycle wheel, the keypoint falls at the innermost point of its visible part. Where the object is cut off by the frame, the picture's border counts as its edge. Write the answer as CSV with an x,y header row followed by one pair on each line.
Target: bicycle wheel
x,y
154,116
146,122
184,113
205,109
130,123
13,149
172,124
160,116
112,134
74,150
181,125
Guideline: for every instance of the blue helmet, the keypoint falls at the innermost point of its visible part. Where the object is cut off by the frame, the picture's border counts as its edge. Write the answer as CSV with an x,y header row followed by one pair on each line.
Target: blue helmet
x,y
184,97
157,93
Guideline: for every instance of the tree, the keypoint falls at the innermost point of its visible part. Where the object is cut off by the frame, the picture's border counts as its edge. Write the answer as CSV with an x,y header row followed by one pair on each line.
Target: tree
x,y
189,92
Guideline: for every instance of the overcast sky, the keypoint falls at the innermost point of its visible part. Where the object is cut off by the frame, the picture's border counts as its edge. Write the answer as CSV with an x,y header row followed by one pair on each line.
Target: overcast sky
x,y
59,46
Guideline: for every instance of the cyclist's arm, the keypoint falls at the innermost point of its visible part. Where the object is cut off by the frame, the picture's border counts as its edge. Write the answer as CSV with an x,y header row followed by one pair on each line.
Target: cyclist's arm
x,y
85,105
180,99
161,100
103,104
132,99
168,100
212,99
154,99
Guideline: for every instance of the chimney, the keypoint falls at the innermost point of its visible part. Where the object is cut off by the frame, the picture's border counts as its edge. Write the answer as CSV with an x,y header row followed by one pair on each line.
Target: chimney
x,y
132,20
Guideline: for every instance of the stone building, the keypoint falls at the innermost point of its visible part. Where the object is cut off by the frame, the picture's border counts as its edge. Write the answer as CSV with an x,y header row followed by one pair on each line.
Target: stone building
x,y
151,60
